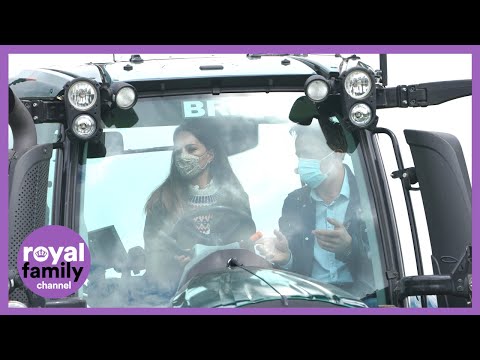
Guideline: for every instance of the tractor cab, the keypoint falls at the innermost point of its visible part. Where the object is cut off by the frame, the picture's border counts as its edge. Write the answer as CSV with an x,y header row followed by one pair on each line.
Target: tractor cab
x,y
96,148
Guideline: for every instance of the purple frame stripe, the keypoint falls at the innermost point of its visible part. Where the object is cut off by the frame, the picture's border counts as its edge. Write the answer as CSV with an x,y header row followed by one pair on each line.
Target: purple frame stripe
x,y
227,49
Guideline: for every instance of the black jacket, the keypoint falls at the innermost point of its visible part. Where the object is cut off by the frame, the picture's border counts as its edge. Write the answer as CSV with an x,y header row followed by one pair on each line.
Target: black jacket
x,y
298,220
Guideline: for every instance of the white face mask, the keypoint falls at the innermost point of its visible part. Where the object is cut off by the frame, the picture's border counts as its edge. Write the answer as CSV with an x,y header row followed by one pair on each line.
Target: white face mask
x,y
188,165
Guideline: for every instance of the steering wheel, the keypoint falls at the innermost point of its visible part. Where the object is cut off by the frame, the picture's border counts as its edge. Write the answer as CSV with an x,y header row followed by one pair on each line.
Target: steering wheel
x,y
213,225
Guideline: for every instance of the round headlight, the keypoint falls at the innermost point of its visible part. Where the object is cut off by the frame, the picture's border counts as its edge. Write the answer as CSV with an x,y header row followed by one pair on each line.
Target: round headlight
x,y
84,126
358,84
125,98
82,95
317,90
360,115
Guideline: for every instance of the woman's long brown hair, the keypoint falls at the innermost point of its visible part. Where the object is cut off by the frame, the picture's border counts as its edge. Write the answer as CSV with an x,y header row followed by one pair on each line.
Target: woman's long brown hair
x,y
171,194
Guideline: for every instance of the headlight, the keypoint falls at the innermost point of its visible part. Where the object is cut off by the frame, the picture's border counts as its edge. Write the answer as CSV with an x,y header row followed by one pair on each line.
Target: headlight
x,y
82,95
358,84
123,95
360,115
125,98
317,88
84,126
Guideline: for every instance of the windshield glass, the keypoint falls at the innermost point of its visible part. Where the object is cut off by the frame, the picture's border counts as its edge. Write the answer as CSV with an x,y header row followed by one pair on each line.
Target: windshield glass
x,y
185,175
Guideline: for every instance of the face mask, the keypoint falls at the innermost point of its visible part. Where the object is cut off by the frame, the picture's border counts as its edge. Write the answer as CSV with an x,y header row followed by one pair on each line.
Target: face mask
x,y
310,172
188,165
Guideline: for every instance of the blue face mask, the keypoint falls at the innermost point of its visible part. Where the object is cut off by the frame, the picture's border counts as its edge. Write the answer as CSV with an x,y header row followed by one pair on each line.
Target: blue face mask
x,y
310,172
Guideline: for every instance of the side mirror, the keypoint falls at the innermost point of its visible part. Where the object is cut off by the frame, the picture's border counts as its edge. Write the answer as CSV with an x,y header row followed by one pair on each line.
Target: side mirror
x,y
441,169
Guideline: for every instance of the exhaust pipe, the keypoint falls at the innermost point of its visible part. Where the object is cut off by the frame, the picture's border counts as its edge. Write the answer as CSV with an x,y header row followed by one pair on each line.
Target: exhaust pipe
x,y
21,123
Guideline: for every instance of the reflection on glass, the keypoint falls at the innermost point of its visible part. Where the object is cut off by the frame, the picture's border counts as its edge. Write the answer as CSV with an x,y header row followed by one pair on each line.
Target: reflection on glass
x,y
270,164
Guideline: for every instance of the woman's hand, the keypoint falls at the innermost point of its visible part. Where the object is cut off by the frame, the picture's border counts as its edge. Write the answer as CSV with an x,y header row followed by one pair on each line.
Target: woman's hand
x,y
182,259
274,248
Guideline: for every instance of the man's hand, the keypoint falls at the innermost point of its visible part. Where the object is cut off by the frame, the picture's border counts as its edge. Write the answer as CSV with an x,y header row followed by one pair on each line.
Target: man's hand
x,y
275,249
337,240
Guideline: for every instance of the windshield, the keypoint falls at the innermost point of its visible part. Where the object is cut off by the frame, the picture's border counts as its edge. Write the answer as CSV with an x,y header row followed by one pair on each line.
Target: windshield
x,y
182,174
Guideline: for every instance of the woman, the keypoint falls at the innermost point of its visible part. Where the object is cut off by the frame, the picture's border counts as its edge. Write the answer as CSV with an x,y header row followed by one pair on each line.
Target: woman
x,y
184,208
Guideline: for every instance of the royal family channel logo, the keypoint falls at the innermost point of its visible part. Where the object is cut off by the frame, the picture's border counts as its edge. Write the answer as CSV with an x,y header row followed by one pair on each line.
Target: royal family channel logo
x,y
53,261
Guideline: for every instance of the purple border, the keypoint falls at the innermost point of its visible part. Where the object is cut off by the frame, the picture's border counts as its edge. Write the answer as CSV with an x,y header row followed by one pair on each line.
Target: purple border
x,y
241,49
3,180
227,49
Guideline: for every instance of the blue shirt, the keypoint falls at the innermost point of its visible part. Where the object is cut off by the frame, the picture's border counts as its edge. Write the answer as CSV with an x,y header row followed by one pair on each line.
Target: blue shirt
x,y
326,267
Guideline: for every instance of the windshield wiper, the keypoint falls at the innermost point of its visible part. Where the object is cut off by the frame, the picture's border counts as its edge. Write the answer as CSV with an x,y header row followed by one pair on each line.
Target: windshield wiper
x,y
233,262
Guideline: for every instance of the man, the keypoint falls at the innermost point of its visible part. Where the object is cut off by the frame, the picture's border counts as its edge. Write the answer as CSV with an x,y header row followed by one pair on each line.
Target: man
x,y
321,232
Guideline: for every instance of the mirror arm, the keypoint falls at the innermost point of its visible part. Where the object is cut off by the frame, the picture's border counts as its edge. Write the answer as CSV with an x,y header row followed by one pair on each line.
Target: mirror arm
x,y
424,285
45,111
458,283
426,94
383,69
